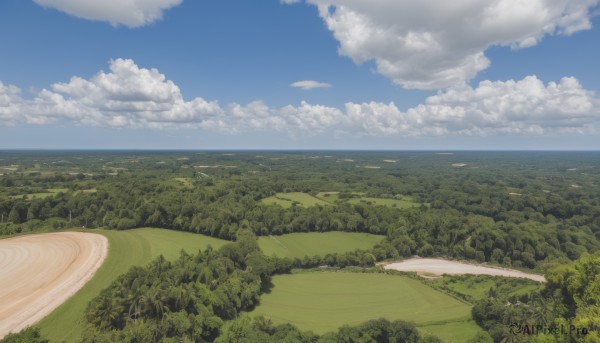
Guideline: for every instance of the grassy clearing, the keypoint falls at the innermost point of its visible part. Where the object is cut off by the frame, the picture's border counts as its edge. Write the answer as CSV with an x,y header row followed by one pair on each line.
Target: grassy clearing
x,y
58,190
42,195
288,199
33,195
86,191
405,202
316,243
329,196
126,249
185,181
324,301
274,200
401,201
476,287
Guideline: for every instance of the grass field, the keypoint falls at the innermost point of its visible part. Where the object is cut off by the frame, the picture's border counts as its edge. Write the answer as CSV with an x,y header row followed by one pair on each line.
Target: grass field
x,y
324,301
399,203
329,196
316,243
86,191
42,195
126,249
476,287
185,181
287,199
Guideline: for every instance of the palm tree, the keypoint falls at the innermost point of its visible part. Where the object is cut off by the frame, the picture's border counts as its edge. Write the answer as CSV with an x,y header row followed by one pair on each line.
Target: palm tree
x,y
154,304
107,313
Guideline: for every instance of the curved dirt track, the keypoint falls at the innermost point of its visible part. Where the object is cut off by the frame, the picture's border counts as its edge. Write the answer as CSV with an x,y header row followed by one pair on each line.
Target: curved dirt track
x,y
440,266
40,272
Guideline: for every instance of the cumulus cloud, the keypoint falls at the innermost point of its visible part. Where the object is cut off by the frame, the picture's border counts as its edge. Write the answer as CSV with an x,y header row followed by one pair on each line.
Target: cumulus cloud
x,y
310,84
432,44
131,13
10,101
527,106
130,96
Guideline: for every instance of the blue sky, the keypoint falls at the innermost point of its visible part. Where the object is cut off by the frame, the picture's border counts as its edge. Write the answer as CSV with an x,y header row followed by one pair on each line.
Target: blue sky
x,y
218,74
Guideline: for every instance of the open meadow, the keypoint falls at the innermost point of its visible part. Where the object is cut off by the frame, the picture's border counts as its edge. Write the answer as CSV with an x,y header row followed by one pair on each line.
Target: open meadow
x,y
298,245
324,301
286,200
126,249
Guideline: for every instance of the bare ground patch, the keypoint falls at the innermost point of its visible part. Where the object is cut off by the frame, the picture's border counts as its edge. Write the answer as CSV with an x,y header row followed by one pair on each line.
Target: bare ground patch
x,y
40,272
437,266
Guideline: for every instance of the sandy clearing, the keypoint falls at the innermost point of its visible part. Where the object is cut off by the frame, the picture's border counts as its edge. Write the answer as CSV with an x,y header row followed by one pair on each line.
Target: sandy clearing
x,y
39,272
441,266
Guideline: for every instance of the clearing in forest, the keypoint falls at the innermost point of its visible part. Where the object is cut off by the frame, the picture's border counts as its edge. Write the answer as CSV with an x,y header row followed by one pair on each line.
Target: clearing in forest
x,y
286,200
324,301
404,202
316,243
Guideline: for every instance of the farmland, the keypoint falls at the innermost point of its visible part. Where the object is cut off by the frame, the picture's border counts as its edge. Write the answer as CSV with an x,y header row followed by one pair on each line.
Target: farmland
x,y
298,245
324,301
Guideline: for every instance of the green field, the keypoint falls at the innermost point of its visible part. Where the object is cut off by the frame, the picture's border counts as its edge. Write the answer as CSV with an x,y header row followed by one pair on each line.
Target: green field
x,y
126,249
324,301
50,192
405,202
287,199
329,196
185,181
476,287
316,243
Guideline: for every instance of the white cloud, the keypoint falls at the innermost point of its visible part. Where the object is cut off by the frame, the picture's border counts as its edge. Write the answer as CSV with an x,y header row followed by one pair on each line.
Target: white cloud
x,y
130,96
310,84
10,100
131,13
512,107
432,44
126,96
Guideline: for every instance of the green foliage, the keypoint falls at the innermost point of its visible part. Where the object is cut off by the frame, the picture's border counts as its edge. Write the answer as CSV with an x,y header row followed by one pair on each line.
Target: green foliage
x,y
514,209
569,298
261,330
29,335
478,287
190,297
126,249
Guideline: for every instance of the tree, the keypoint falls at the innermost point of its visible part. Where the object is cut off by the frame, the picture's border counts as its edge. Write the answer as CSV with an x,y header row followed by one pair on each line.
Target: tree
x,y
14,216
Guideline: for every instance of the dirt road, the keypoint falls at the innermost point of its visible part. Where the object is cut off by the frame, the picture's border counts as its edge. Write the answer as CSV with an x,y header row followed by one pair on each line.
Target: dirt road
x,y
440,266
40,272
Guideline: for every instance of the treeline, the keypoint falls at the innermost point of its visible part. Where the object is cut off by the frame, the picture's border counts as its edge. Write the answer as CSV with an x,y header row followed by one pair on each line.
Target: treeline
x,y
260,330
566,310
220,211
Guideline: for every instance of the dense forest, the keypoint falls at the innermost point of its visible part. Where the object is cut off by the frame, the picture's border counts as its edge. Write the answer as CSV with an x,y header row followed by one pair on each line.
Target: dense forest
x,y
534,210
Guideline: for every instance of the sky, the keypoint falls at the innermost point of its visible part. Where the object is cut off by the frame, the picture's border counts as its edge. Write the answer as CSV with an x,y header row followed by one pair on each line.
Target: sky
x,y
300,74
